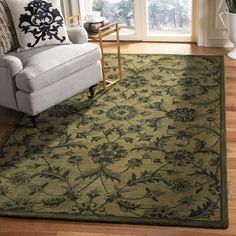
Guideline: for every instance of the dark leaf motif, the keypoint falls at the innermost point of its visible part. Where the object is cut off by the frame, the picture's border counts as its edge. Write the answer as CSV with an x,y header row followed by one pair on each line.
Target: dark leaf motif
x,y
107,153
145,178
19,205
157,145
36,189
121,112
183,115
205,174
134,178
74,159
7,164
27,138
134,162
202,90
83,134
96,126
99,112
128,140
153,194
120,131
109,131
110,174
96,138
64,137
3,190
173,172
202,210
212,152
102,171
37,166
154,123
66,174
157,160
171,91
167,70
53,173
63,110
89,174
94,194
127,206
76,145
134,81
71,195
200,145
49,175
56,156
53,202
145,137
199,187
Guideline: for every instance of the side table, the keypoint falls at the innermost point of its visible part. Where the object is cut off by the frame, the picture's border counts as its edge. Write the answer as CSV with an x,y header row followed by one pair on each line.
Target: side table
x,y
103,32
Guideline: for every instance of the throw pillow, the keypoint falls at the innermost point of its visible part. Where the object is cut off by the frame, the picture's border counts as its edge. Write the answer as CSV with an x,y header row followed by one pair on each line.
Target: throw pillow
x,y
8,39
38,23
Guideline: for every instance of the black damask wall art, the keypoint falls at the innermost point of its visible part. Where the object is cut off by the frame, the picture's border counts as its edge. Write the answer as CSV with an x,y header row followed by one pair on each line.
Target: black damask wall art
x,y
42,21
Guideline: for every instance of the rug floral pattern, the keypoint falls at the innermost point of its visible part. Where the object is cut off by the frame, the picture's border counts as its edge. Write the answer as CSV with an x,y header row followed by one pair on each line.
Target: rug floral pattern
x,y
148,150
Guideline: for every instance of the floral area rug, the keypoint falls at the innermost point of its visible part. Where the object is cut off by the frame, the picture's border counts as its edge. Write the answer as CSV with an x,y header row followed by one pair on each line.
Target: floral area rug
x,y
150,150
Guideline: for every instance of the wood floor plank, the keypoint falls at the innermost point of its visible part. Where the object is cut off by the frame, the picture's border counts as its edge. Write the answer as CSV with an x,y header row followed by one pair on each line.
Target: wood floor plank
x,y
24,227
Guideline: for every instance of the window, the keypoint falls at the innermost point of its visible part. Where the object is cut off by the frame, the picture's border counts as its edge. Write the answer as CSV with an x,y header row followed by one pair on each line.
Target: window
x,y
170,17
117,10
149,20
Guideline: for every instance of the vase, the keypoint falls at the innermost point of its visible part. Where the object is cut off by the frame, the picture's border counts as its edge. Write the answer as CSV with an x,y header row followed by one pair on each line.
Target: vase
x,y
230,25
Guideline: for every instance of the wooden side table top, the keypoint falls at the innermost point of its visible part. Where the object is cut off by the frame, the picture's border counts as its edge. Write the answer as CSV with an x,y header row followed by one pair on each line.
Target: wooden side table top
x,y
105,31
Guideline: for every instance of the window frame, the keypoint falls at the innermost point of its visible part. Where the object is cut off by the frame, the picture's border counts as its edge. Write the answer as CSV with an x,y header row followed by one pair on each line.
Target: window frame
x,y
141,24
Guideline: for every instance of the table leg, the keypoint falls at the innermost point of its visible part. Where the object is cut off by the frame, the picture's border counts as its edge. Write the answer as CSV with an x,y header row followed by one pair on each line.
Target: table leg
x,y
102,60
118,50
99,37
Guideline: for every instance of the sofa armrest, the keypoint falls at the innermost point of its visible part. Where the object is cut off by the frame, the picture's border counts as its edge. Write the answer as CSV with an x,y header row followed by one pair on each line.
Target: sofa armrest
x,y
9,67
77,35
11,63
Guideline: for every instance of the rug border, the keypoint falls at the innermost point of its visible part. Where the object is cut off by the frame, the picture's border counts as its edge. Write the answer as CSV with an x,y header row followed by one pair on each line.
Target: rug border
x,y
118,220
224,199
223,224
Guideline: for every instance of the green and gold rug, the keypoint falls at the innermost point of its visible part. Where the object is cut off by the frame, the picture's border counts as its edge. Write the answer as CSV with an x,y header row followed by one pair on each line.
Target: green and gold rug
x,y
150,150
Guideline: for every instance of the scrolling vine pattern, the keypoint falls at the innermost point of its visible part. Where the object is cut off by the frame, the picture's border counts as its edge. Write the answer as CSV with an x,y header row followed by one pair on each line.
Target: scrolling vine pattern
x,y
149,148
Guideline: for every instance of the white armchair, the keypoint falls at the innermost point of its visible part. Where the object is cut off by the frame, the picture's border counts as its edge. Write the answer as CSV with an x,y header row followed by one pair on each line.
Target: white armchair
x,y
35,80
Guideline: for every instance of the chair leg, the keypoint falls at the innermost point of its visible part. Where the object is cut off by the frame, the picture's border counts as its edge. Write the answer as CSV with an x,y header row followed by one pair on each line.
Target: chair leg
x,y
92,91
34,121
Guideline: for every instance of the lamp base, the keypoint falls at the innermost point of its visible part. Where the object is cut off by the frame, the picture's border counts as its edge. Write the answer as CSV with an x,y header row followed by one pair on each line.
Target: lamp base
x,y
232,54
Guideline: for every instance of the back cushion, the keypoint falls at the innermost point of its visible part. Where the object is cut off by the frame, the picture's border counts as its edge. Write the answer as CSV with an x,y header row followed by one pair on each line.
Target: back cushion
x,y
38,23
8,38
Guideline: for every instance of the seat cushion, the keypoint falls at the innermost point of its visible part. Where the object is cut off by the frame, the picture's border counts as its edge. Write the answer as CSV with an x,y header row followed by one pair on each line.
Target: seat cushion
x,y
49,66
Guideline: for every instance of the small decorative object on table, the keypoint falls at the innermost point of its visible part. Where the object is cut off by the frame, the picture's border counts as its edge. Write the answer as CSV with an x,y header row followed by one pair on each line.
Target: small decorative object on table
x,y
99,28
93,28
230,24
75,29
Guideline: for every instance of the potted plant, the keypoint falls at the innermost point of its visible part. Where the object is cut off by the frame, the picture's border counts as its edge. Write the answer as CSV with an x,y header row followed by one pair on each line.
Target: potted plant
x,y
231,4
231,24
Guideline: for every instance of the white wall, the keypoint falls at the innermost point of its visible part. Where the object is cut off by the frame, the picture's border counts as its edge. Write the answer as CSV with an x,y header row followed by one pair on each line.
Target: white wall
x,y
210,30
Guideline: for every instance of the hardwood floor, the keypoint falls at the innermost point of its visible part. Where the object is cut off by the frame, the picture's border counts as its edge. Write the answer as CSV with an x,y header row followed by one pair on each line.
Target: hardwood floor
x,y
24,227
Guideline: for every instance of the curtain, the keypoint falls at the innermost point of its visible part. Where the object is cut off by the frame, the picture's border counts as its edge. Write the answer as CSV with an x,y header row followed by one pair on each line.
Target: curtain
x,y
70,7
